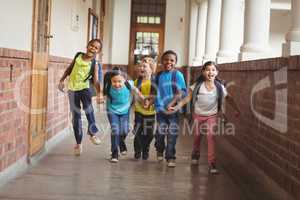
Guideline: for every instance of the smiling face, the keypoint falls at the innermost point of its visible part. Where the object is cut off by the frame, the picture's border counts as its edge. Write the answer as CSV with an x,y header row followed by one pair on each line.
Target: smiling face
x,y
210,72
169,61
117,81
93,48
144,70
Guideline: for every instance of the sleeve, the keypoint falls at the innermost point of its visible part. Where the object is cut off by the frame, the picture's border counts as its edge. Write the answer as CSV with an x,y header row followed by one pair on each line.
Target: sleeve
x,y
181,82
224,91
192,87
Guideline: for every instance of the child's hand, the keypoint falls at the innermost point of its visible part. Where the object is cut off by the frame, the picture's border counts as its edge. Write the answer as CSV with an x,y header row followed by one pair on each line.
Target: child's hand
x,y
61,86
171,108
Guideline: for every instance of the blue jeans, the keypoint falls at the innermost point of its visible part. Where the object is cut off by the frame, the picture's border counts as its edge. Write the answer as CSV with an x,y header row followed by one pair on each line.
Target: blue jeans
x,y
76,98
167,125
119,129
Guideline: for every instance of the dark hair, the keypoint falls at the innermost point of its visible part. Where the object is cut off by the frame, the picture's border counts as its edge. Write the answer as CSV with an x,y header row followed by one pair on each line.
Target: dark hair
x,y
108,76
209,63
168,52
202,78
95,40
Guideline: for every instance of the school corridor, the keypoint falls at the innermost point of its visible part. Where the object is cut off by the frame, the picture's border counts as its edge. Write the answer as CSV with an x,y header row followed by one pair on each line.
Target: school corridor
x,y
62,176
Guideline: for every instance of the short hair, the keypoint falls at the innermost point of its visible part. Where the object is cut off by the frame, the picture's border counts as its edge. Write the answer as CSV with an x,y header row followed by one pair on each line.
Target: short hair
x,y
95,40
168,52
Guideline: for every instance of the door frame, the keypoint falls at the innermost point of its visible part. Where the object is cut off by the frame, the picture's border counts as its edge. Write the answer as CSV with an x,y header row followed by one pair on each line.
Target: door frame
x,y
144,28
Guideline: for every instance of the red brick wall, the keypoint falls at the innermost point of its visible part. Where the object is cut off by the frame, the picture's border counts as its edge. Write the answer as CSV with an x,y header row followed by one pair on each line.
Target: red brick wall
x,y
275,151
58,105
14,122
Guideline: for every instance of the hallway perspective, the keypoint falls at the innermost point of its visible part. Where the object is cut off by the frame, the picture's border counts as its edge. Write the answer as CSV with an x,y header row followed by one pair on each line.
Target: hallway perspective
x,y
62,176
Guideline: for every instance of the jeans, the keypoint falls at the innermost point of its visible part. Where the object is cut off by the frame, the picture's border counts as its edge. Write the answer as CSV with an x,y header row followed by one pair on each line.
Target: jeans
x,y
143,131
119,129
167,125
76,98
205,126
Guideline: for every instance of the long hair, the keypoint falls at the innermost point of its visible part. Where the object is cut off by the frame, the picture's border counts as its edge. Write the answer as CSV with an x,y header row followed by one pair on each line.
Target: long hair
x,y
107,78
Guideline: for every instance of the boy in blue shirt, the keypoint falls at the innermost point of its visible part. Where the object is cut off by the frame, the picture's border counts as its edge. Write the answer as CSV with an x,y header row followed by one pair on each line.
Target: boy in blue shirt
x,y
171,87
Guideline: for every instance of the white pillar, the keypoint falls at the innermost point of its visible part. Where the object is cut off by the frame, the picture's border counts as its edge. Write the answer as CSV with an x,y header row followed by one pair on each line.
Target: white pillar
x,y
256,30
200,32
192,31
292,45
231,33
212,30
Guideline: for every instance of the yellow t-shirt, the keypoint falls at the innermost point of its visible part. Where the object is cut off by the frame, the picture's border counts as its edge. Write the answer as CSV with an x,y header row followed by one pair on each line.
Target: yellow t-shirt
x,y
78,75
145,89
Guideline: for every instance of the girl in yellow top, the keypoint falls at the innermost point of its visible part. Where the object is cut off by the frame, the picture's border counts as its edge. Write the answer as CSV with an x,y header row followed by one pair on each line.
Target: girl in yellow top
x,y
144,111
80,92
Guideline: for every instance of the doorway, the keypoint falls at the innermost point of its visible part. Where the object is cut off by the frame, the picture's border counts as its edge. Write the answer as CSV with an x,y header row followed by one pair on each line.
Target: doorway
x,y
147,31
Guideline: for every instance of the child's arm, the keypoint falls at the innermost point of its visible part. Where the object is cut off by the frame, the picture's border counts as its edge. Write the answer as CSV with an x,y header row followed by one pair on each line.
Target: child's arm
x,y
181,103
67,72
233,104
96,79
137,94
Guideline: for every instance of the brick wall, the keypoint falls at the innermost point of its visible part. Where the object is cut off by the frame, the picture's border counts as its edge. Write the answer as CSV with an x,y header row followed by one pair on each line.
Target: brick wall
x,y
58,117
14,122
261,138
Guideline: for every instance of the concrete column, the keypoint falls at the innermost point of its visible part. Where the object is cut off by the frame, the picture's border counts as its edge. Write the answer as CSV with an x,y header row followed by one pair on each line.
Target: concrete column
x,y
256,30
292,45
200,33
231,33
192,31
212,30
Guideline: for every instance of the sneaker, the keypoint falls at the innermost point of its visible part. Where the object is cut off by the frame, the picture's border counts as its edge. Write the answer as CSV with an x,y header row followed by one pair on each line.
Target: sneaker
x,y
77,149
123,153
195,162
213,169
159,156
171,163
95,140
145,155
137,155
114,160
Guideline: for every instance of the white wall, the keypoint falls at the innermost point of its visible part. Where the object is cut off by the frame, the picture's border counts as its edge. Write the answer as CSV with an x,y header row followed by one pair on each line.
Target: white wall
x,y
176,37
68,40
120,31
16,24
280,23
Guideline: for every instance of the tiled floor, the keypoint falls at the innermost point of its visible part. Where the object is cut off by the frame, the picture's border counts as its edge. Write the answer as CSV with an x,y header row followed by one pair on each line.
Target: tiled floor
x,y
61,176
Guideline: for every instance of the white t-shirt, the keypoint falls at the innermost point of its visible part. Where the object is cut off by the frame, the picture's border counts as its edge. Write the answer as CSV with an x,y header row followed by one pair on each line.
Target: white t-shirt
x,y
206,103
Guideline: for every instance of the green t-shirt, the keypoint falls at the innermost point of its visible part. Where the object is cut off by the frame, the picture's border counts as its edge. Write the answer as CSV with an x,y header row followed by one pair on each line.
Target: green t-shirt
x,y
78,75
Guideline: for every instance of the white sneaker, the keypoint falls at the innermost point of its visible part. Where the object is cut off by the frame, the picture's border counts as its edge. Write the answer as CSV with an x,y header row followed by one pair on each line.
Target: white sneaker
x,y
95,140
195,162
123,153
114,160
171,163
78,149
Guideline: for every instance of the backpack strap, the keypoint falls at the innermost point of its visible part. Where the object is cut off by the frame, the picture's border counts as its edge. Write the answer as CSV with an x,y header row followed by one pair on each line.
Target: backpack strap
x,y
90,75
220,94
174,85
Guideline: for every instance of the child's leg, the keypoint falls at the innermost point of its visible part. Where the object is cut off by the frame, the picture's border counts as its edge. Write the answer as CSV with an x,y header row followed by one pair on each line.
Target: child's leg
x,y
211,123
115,135
124,129
147,137
86,99
197,137
161,132
138,129
74,101
173,129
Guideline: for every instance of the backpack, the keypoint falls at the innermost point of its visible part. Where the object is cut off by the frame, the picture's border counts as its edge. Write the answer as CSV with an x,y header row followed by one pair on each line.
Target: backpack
x,y
107,85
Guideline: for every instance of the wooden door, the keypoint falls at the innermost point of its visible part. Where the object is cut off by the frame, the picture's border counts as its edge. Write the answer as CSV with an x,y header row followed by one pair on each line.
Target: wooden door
x,y
39,78
145,40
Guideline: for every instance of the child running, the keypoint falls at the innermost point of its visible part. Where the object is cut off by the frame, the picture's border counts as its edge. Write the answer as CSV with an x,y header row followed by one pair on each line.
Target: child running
x,y
170,88
206,96
83,69
144,111
118,102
